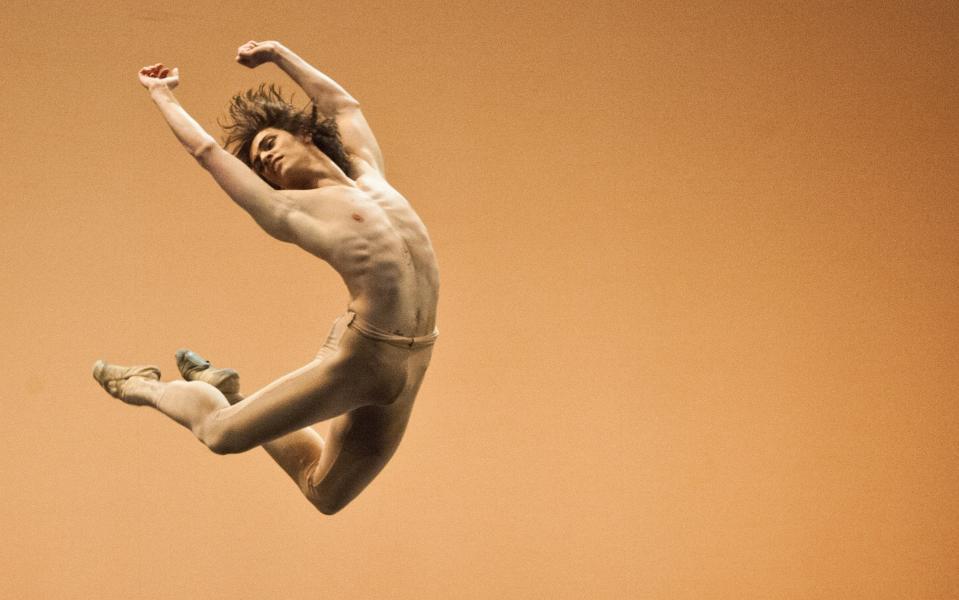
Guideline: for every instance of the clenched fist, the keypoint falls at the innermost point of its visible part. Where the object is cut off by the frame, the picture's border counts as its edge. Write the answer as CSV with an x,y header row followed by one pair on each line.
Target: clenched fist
x,y
159,76
253,54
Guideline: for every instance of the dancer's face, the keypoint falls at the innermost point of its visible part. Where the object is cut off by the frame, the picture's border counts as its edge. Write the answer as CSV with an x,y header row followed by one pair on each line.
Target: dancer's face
x,y
282,158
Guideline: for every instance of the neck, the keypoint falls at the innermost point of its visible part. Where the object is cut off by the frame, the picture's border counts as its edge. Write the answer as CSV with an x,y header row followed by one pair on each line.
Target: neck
x,y
326,172
327,179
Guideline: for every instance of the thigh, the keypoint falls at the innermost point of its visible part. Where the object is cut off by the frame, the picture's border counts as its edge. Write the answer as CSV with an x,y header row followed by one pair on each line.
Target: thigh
x,y
292,391
341,476
359,448
352,376
315,392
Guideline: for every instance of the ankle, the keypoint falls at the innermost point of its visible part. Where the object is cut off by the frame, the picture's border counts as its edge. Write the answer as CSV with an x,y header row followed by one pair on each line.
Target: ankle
x,y
142,391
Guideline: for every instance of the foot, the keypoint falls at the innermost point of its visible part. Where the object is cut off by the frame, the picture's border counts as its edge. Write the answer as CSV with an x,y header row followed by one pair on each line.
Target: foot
x,y
194,367
119,381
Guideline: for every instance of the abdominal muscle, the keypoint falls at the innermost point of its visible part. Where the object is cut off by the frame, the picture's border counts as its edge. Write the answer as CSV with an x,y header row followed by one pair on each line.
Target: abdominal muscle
x,y
372,237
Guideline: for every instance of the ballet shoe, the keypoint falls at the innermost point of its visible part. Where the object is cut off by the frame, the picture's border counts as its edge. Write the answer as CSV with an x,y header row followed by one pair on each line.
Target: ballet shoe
x,y
194,367
112,377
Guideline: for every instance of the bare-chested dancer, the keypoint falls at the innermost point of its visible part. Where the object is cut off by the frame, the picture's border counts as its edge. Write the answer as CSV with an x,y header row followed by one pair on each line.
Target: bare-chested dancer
x,y
315,179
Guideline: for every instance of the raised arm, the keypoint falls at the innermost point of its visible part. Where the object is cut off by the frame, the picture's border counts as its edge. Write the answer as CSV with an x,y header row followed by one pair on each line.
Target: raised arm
x,y
268,207
330,97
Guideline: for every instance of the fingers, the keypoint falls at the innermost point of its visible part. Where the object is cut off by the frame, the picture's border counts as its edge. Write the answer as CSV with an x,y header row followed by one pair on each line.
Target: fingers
x,y
158,70
247,47
152,70
253,53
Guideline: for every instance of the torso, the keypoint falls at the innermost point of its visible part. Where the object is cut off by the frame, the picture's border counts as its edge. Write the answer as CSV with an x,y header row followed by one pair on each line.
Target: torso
x,y
372,237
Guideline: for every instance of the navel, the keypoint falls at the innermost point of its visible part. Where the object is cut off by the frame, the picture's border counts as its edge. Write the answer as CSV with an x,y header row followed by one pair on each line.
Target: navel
x,y
357,217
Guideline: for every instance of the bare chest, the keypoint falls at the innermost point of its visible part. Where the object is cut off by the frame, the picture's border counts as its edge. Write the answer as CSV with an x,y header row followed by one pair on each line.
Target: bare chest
x,y
369,211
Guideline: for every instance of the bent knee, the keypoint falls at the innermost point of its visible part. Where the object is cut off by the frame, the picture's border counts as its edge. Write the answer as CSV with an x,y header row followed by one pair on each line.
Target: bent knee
x,y
337,488
221,437
323,496
329,508
320,496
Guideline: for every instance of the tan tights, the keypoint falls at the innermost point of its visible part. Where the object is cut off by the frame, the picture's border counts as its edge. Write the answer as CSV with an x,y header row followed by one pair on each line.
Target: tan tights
x,y
277,417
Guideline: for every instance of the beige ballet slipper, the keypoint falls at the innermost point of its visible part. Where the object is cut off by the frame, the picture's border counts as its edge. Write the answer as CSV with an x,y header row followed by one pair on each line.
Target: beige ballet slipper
x,y
113,377
194,367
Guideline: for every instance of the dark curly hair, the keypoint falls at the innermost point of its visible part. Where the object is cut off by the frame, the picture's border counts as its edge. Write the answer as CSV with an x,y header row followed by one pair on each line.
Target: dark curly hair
x,y
257,109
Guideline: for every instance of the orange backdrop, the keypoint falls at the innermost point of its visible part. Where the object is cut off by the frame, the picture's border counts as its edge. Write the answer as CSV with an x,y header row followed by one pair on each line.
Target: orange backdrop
x,y
698,312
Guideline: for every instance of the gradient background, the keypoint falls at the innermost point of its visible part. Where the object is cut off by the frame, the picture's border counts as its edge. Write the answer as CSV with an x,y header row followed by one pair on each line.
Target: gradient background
x,y
699,314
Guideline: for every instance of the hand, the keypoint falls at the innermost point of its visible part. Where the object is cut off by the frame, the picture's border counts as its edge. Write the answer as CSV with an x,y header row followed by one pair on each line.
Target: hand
x,y
159,76
253,54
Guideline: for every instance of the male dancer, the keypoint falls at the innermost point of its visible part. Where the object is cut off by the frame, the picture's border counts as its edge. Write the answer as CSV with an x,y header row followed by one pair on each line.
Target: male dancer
x,y
317,181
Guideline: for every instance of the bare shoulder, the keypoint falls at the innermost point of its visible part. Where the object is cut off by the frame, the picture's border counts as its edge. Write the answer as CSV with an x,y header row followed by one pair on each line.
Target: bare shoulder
x,y
378,189
368,174
364,208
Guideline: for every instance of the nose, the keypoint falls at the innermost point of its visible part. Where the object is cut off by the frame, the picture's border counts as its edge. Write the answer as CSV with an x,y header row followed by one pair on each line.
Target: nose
x,y
268,159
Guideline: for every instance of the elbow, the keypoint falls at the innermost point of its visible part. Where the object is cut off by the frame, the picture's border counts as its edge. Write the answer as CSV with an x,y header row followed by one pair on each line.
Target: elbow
x,y
205,150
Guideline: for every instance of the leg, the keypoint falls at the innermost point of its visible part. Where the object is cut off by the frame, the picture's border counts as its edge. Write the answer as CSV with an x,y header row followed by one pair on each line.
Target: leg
x,y
188,403
322,389
302,453
326,476
350,372
299,454
141,386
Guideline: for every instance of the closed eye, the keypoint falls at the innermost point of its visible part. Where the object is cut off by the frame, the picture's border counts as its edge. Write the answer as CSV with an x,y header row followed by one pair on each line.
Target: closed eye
x,y
265,144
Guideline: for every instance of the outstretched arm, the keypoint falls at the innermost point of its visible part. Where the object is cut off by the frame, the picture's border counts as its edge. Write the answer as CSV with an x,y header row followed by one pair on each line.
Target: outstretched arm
x,y
329,96
268,207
